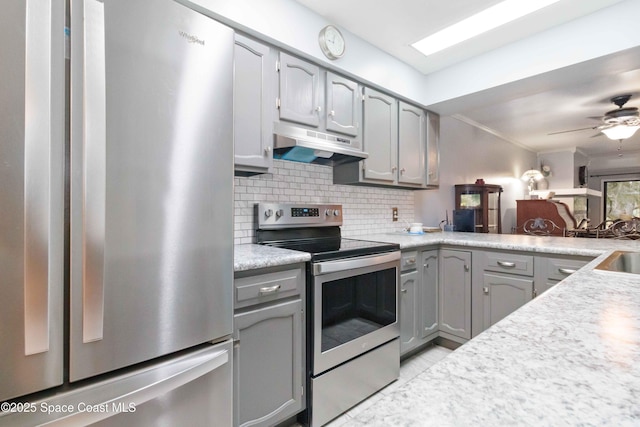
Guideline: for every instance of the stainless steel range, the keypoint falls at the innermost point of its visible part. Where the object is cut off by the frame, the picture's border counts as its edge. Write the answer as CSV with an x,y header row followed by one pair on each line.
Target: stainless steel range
x,y
352,305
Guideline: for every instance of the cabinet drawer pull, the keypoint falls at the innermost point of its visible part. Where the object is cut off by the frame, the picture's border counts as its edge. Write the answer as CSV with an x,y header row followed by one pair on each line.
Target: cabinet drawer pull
x,y
566,271
506,264
270,289
410,261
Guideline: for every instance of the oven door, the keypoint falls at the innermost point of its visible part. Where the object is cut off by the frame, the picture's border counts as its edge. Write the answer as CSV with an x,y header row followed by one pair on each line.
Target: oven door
x,y
355,307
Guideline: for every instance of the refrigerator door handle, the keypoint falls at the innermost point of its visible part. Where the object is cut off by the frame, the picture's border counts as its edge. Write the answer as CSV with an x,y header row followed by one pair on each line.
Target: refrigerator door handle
x,y
93,170
37,190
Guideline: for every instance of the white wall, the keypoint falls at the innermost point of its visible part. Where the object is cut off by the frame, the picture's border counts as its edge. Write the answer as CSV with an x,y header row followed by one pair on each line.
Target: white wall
x,y
466,154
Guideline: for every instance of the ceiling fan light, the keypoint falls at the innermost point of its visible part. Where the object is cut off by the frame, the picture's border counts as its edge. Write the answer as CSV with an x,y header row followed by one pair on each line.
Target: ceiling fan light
x,y
619,132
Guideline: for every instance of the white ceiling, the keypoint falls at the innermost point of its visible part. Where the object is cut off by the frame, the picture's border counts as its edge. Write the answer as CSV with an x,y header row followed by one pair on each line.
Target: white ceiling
x,y
522,112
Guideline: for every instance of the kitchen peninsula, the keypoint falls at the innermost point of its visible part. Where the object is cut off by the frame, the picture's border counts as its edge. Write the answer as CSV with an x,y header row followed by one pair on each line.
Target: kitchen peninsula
x,y
569,357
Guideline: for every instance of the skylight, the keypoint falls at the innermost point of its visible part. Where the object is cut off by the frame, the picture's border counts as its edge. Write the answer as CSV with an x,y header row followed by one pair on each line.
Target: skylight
x,y
481,22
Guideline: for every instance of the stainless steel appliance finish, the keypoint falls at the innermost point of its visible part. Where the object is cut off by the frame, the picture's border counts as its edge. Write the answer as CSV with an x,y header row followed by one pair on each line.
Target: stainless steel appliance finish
x,y
317,147
337,271
345,386
31,195
352,304
151,182
149,222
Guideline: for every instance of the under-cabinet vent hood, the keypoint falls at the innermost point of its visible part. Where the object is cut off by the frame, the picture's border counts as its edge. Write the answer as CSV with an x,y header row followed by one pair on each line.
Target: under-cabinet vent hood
x,y
308,146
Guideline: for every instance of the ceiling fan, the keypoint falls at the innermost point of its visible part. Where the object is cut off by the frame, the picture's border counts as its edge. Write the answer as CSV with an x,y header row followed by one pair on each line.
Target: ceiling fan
x,y
618,124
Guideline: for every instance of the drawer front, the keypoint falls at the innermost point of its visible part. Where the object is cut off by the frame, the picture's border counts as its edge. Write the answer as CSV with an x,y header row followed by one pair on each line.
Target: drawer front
x,y
268,287
409,260
558,269
509,263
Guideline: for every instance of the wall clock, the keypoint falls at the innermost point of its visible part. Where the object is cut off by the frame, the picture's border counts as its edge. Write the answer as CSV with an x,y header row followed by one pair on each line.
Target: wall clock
x,y
331,42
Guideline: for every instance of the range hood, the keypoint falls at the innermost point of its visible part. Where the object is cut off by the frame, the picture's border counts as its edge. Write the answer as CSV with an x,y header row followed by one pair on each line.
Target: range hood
x,y
308,146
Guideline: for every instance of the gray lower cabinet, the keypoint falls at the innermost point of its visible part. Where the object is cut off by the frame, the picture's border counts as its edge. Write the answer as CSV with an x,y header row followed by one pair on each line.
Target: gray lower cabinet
x,y
268,358
429,324
550,270
269,345
455,295
503,295
253,98
408,311
409,302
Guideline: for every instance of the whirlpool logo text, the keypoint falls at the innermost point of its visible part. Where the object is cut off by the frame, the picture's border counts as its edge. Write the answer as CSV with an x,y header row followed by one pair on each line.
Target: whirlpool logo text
x,y
191,38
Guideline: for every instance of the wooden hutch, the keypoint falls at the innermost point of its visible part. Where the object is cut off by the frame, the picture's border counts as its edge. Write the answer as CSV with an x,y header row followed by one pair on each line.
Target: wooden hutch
x,y
484,200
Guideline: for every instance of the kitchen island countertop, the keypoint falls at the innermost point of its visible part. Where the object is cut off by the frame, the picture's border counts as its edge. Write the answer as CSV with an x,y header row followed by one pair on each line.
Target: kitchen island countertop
x,y
569,357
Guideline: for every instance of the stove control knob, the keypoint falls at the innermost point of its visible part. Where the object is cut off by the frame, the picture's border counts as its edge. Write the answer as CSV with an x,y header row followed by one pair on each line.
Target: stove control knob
x,y
336,212
279,213
328,212
268,213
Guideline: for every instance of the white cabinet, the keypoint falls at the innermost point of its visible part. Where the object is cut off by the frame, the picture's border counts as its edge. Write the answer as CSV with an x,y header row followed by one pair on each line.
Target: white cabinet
x,y
253,98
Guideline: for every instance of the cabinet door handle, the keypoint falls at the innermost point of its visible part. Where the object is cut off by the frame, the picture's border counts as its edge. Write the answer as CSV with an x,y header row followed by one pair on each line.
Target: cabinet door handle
x,y
506,264
402,171
566,271
466,267
485,290
332,113
267,150
404,291
393,169
270,289
319,109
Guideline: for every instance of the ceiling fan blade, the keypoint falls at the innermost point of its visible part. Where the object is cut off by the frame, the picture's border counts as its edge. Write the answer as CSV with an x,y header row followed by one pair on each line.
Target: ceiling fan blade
x,y
572,130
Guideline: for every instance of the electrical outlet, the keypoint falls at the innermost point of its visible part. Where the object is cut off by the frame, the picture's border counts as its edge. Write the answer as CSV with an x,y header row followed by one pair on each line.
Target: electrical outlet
x,y
394,213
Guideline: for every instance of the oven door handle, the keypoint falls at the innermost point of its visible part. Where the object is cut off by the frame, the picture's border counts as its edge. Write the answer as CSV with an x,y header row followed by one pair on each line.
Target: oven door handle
x,y
353,263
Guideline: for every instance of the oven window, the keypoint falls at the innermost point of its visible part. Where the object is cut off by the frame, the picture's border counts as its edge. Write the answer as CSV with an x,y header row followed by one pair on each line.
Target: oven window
x,y
355,306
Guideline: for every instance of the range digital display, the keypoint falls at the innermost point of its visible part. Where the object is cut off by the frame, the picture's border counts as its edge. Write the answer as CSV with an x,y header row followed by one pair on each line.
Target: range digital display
x,y
304,212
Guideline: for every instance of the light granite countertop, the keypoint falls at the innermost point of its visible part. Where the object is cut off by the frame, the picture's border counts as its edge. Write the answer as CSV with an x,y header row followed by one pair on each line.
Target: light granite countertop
x,y
570,357
252,257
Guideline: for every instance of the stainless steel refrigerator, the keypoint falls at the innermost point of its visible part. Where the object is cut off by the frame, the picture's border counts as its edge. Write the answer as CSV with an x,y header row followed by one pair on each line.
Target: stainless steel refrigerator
x,y
116,221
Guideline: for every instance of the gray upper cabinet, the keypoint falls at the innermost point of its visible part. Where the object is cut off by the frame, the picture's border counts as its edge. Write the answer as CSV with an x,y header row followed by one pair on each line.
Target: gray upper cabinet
x,y
344,105
455,295
380,137
254,73
429,324
411,144
433,150
300,97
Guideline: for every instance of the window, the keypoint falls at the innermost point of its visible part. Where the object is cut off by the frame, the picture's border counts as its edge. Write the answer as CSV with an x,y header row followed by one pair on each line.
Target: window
x,y
621,199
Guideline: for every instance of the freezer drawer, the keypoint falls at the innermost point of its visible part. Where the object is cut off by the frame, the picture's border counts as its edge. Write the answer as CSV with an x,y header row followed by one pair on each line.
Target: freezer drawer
x,y
194,389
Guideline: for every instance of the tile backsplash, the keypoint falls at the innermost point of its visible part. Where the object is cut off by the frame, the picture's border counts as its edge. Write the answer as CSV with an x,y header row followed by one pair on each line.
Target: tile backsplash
x,y
366,210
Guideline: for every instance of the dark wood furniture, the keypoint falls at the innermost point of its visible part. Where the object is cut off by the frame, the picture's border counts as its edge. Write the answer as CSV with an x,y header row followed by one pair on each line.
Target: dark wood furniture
x,y
484,200
538,210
